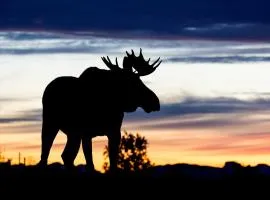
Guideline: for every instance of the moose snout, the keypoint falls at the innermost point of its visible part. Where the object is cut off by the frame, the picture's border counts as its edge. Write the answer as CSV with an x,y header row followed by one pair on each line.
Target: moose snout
x,y
157,108
152,108
155,104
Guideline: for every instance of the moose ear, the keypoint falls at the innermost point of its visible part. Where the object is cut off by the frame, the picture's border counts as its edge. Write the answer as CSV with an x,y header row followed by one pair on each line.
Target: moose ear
x,y
127,63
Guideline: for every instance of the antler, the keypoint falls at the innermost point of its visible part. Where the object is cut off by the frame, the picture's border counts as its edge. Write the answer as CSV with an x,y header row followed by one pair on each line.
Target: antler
x,y
142,66
109,63
130,61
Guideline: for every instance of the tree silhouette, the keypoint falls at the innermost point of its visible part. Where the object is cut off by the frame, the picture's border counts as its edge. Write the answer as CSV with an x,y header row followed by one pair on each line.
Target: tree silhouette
x,y
132,155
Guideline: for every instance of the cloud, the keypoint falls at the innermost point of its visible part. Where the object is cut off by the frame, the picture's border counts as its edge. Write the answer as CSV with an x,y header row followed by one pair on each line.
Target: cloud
x,y
21,146
219,59
20,127
4,101
13,99
191,51
197,113
247,143
229,30
32,115
188,113
197,105
229,144
21,43
197,123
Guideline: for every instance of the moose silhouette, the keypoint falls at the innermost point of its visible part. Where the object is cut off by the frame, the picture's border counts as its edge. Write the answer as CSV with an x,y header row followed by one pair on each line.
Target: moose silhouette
x,y
94,104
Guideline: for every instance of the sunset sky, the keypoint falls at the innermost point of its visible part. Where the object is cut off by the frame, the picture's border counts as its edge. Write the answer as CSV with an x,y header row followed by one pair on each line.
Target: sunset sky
x,y
213,83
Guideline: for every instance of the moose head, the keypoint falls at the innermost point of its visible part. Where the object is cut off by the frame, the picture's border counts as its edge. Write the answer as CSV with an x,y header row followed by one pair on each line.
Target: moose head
x,y
137,94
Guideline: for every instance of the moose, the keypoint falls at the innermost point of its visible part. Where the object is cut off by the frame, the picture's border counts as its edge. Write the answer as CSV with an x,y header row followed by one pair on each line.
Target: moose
x,y
94,104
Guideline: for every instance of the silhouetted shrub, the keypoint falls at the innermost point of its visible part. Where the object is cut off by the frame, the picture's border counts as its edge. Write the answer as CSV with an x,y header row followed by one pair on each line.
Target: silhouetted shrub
x,y
132,154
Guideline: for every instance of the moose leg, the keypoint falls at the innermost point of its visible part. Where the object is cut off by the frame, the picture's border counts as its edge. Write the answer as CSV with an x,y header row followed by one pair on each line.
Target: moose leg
x,y
114,142
71,150
49,132
87,150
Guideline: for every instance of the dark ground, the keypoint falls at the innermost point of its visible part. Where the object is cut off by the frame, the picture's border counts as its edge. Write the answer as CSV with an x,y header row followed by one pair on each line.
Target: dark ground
x,y
179,179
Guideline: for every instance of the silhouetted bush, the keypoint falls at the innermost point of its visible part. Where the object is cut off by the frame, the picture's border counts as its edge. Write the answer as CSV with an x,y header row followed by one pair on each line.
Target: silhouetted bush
x,y
132,154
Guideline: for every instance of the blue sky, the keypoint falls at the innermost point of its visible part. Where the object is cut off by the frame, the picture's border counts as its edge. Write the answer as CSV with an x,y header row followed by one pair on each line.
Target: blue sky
x,y
170,17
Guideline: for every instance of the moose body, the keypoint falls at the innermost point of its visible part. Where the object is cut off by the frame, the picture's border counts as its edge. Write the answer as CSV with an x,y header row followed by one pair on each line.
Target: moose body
x,y
91,105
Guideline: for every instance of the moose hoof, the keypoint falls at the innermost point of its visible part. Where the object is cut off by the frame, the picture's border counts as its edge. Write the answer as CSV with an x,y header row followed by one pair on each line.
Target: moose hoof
x,y
41,164
114,171
69,167
90,168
